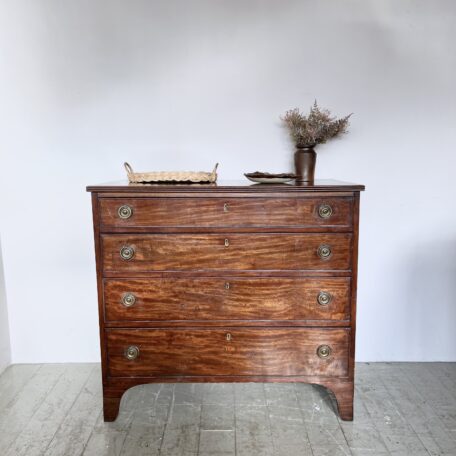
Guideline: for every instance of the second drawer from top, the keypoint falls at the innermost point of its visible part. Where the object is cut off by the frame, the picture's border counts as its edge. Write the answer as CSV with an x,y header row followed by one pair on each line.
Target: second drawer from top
x,y
130,254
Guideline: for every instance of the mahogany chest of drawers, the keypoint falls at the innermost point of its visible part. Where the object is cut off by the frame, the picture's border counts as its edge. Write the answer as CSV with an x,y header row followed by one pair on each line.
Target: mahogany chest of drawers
x,y
227,283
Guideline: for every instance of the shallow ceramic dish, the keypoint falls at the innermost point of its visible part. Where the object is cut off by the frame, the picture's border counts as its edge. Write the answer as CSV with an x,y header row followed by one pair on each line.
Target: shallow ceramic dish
x,y
267,178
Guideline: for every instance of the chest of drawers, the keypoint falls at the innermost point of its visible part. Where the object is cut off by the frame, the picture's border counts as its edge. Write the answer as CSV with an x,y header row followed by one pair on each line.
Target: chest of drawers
x,y
226,283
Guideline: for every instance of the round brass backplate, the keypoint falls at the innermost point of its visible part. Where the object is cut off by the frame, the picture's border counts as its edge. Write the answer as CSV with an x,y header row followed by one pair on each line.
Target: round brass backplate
x,y
324,298
128,299
324,351
125,211
324,252
325,211
132,352
127,252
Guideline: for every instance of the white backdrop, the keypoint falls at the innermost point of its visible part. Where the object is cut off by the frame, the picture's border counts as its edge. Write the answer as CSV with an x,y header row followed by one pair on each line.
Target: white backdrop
x,y
88,84
5,348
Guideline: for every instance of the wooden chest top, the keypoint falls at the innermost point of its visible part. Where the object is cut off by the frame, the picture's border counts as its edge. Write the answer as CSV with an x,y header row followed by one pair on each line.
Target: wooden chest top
x,y
327,185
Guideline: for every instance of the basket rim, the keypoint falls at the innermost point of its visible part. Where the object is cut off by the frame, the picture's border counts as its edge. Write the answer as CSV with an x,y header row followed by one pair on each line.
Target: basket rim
x,y
171,176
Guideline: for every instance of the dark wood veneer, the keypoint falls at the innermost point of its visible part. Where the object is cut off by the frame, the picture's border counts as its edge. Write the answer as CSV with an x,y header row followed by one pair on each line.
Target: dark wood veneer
x,y
183,312
227,298
225,212
322,185
259,351
155,252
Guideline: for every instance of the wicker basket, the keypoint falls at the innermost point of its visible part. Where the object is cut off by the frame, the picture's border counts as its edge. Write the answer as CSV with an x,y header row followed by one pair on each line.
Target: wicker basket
x,y
171,176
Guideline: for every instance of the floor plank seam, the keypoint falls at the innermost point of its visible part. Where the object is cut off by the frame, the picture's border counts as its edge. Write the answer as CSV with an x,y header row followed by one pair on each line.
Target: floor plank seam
x,y
303,418
38,406
69,409
235,421
200,421
425,400
169,417
268,411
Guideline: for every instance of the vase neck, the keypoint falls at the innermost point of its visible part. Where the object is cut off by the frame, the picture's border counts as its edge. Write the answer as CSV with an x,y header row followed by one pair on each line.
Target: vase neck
x,y
299,147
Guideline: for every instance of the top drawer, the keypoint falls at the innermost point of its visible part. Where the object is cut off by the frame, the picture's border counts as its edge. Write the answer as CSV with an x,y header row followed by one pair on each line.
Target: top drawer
x,y
252,212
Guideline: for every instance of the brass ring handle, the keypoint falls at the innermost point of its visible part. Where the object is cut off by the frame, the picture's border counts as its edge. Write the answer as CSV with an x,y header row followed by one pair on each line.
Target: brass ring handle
x,y
226,207
228,337
227,242
131,352
127,252
227,285
325,211
324,298
324,351
125,211
128,299
324,252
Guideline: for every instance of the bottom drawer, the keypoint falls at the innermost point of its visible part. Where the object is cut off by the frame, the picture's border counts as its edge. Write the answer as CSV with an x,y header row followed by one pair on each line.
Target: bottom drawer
x,y
230,352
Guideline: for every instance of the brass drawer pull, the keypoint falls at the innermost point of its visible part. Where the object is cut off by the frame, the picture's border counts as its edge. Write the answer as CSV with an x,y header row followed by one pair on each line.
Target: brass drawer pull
x,y
128,299
227,285
127,252
324,298
226,207
325,211
324,351
324,252
227,243
132,352
228,337
125,211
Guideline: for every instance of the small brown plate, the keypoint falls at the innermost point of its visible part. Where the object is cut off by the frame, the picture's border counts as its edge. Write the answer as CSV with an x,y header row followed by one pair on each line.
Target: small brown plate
x,y
268,178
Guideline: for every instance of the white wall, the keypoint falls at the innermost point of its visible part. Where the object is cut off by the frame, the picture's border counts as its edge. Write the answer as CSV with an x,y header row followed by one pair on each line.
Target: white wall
x,y
5,347
85,85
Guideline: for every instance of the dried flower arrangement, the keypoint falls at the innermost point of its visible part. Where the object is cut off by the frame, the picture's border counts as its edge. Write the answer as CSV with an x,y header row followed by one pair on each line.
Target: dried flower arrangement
x,y
316,128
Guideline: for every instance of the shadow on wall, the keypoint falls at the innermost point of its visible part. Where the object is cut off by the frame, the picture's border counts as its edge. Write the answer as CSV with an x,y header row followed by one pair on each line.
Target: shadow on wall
x,y
5,349
430,302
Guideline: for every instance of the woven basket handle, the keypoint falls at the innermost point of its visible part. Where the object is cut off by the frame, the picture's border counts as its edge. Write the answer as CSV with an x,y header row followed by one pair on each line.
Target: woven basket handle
x,y
128,168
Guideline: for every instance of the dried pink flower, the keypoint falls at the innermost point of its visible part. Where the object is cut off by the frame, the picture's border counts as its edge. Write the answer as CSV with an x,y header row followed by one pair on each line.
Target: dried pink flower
x,y
316,128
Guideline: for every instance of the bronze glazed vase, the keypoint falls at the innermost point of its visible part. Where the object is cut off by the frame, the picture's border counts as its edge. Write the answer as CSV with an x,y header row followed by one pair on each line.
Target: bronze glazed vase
x,y
305,159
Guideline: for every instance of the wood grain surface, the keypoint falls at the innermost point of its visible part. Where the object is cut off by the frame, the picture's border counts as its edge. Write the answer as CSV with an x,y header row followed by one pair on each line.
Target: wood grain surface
x,y
244,186
225,212
227,298
229,351
226,279
244,252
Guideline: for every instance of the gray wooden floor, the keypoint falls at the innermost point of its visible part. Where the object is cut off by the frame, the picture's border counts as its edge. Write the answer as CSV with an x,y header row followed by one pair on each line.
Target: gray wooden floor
x,y
400,409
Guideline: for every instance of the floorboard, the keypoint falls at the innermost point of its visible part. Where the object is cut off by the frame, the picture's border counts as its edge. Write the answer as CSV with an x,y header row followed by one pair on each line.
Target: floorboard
x,y
40,430
400,409
20,409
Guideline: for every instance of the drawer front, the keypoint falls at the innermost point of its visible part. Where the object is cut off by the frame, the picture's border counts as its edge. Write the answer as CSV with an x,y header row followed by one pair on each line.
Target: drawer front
x,y
227,299
228,212
266,351
155,252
